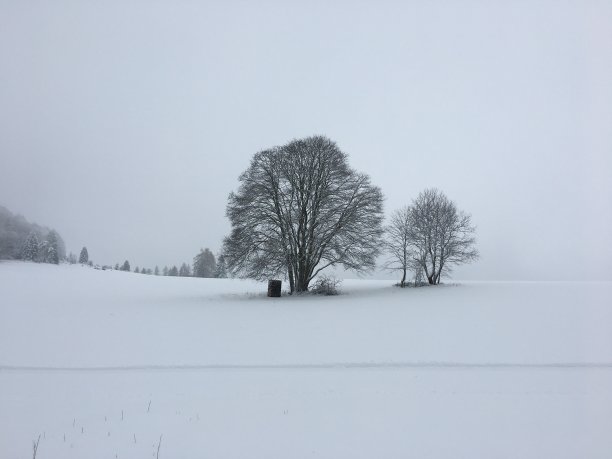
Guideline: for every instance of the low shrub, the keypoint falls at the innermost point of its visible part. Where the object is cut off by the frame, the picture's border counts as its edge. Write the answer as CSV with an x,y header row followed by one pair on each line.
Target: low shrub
x,y
326,285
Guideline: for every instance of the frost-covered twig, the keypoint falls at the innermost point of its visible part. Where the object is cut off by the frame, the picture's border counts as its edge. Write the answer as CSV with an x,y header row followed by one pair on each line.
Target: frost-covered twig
x,y
158,446
35,447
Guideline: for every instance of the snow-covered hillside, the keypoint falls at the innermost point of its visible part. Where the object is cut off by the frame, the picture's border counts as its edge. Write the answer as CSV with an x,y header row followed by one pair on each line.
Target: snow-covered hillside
x,y
101,363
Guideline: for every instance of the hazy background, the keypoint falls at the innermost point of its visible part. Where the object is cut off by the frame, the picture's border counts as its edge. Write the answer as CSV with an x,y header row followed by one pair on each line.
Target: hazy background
x,y
124,125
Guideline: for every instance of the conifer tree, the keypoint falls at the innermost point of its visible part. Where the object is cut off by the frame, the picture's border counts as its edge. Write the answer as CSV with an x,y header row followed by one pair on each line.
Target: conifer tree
x,y
221,270
126,266
30,248
42,251
52,256
185,270
51,253
204,264
84,257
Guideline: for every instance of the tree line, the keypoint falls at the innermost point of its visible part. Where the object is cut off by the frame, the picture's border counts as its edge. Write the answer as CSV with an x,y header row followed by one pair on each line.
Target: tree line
x,y
22,240
204,265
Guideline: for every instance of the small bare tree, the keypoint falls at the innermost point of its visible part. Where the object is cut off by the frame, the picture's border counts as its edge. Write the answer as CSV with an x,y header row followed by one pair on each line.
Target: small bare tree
x,y
440,236
397,244
158,446
35,447
299,209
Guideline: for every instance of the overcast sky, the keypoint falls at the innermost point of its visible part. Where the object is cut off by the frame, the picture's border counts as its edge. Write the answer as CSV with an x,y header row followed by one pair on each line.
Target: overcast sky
x,y
124,125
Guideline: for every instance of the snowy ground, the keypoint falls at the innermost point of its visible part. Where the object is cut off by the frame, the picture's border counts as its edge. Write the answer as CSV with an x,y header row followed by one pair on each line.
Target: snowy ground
x,y
101,363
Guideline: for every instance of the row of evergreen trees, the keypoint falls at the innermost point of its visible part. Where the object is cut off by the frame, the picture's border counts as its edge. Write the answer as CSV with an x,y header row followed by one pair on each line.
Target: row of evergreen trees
x,y
45,251
204,265
22,240
83,258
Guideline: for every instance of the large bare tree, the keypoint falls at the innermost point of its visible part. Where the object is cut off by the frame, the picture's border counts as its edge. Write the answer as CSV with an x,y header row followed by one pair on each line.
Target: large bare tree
x,y
440,235
300,209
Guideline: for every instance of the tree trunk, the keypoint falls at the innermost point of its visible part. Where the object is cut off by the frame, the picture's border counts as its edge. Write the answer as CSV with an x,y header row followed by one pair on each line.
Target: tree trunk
x,y
403,281
291,280
302,282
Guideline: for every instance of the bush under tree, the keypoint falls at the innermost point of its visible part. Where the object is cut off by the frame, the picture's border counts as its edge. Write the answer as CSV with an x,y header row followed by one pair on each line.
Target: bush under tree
x,y
326,285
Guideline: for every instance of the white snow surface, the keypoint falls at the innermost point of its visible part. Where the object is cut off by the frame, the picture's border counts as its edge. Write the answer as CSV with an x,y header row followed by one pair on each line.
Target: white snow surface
x,y
103,363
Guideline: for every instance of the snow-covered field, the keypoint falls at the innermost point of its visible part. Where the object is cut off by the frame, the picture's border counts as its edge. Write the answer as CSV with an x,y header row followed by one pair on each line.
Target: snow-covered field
x,y
103,363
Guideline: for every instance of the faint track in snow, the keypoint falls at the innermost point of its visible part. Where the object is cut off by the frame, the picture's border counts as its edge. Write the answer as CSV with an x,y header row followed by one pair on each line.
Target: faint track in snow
x,y
314,366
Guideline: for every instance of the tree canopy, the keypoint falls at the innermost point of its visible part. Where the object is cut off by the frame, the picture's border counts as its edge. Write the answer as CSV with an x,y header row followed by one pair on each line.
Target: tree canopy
x,y
440,235
300,209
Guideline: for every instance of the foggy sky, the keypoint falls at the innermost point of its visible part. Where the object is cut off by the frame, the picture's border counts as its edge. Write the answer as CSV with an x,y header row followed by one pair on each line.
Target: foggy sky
x,y
124,125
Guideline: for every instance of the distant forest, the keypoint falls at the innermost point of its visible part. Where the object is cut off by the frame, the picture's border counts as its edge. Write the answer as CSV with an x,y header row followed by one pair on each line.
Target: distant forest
x,y
20,239
204,265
